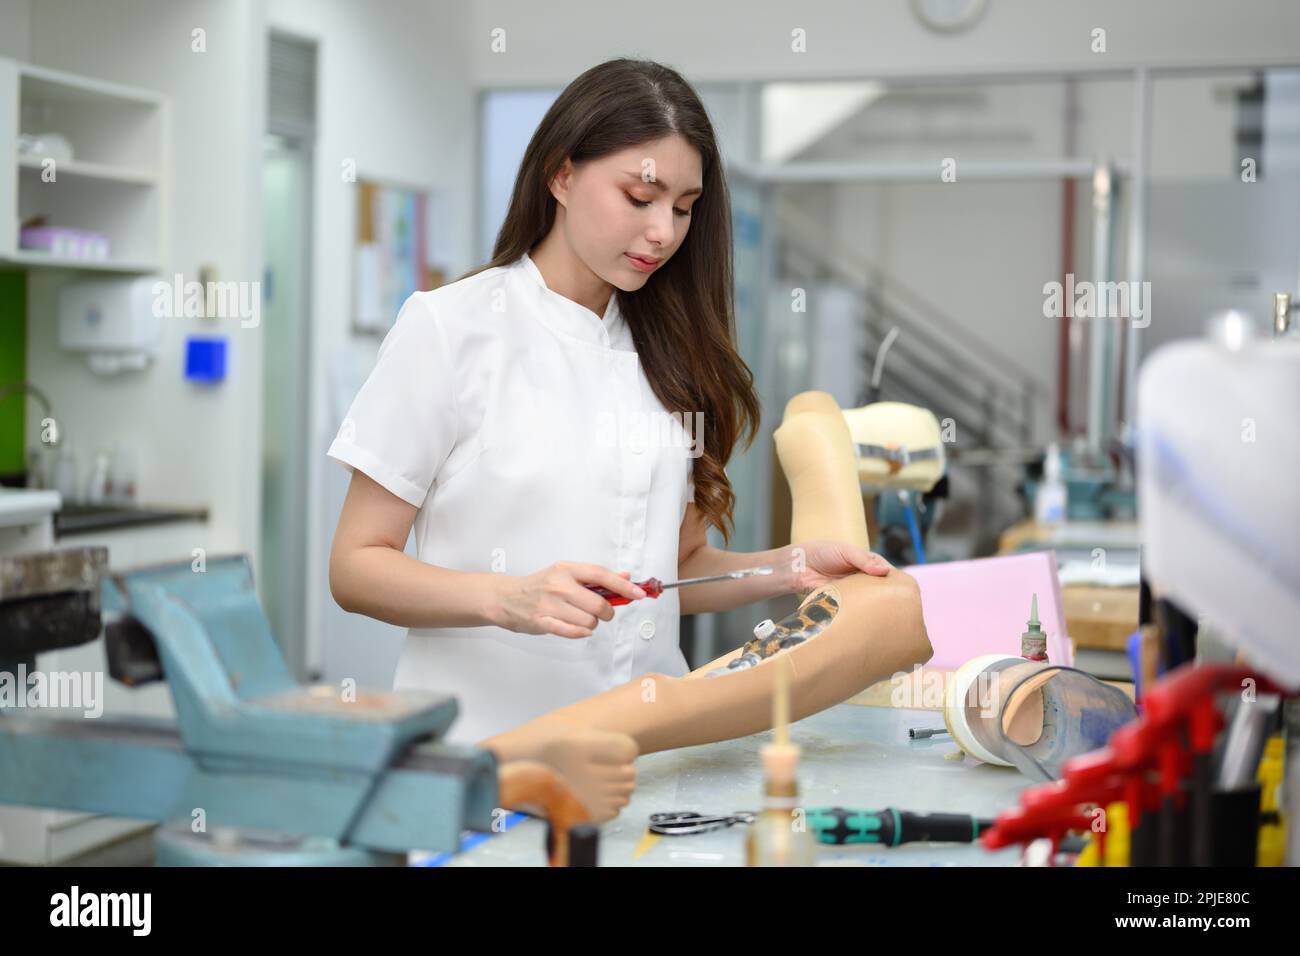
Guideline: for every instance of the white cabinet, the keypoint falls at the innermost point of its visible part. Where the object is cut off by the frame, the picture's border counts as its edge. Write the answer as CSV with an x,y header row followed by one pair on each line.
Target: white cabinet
x,y
114,185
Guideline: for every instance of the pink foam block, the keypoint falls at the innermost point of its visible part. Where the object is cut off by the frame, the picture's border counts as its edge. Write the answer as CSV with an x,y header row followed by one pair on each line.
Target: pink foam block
x,y
981,606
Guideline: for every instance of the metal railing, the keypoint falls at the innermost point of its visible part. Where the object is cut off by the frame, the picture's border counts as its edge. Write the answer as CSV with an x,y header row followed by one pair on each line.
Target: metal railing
x,y
934,361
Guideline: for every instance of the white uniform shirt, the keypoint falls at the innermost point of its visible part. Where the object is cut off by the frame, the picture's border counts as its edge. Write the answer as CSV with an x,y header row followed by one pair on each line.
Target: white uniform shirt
x,y
524,429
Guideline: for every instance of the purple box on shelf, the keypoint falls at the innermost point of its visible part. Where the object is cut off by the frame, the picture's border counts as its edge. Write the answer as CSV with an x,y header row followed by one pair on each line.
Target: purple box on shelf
x,y
64,242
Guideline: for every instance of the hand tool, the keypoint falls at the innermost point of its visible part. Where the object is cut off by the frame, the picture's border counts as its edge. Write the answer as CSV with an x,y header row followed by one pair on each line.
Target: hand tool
x,y
890,827
920,733
653,587
837,825
685,822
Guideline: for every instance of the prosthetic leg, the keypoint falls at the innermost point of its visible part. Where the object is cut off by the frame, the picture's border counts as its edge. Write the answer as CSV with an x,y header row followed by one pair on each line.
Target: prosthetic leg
x,y
843,638
900,461
820,463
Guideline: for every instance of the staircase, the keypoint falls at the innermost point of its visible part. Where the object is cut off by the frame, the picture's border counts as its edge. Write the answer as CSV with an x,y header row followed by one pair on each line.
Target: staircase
x,y
937,362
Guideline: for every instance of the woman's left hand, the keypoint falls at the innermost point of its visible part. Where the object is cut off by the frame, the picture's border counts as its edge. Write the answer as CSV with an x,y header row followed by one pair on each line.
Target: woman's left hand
x,y
818,563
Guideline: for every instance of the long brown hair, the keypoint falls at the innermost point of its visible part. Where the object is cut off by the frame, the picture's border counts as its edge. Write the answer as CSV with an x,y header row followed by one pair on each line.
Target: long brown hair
x,y
682,320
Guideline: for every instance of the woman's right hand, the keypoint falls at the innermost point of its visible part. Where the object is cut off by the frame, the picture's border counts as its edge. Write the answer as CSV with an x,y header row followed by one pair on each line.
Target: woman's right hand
x,y
556,600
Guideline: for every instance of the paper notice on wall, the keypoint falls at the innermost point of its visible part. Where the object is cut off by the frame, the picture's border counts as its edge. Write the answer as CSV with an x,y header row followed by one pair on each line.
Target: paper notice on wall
x,y
370,314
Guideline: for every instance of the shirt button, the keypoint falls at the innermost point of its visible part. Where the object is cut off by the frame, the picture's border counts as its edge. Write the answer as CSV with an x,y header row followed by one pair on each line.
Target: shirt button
x,y
647,629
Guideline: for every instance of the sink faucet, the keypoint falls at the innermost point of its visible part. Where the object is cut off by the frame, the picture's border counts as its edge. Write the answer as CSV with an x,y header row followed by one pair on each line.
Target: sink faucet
x,y
14,387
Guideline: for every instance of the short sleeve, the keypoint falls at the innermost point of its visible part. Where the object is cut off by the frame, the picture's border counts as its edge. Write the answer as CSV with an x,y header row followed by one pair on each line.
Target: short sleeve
x,y
402,424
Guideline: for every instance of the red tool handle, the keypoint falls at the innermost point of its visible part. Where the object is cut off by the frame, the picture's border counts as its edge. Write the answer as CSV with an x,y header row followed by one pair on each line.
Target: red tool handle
x,y
652,587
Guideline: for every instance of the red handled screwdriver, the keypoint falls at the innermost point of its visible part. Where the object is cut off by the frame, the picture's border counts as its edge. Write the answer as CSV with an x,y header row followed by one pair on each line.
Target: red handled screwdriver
x,y
653,587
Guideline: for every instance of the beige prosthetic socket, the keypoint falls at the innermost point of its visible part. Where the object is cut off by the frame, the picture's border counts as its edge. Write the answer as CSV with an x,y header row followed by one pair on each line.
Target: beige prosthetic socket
x,y
841,639
899,426
820,464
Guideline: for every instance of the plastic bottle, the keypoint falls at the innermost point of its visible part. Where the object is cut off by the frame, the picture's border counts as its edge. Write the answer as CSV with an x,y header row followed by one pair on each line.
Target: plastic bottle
x,y
779,835
36,469
1050,501
97,487
123,476
1033,642
65,474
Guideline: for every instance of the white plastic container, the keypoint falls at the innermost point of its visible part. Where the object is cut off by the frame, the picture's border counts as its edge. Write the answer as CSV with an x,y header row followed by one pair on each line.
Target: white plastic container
x,y
1050,499
113,320
1219,489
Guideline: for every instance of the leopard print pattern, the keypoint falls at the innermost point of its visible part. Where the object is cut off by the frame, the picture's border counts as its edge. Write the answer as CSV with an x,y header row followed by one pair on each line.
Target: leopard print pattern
x,y
805,622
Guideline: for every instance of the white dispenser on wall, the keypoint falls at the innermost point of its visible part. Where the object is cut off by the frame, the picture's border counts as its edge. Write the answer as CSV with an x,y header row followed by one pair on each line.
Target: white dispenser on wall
x,y
111,320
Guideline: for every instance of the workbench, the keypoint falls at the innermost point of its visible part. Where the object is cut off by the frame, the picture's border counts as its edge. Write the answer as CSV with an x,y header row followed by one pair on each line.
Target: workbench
x,y
853,756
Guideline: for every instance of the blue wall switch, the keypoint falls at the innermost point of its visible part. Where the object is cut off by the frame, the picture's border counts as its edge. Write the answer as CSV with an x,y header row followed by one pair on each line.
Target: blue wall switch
x,y
205,359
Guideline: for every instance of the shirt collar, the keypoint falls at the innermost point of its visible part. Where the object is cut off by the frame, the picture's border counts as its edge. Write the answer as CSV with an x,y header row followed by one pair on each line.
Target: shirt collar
x,y
577,321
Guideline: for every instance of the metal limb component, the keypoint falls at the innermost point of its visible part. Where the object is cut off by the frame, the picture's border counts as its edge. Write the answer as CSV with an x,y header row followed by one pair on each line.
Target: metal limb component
x,y
800,625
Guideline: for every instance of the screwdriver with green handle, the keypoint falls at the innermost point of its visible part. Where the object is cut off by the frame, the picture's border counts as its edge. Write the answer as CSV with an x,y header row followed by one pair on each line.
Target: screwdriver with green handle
x,y
890,827
653,587
838,825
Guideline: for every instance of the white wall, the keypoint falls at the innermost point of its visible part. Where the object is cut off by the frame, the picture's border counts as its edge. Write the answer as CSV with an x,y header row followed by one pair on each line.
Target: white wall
x,y
551,42
981,252
15,28
393,96
195,446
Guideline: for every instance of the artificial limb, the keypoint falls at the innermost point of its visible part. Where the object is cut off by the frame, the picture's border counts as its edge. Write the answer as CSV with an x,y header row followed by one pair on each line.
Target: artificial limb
x,y
842,638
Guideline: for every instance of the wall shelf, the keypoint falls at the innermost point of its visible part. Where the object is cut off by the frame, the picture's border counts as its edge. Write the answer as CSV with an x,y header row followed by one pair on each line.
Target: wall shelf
x,y
103,171
116,184
34,259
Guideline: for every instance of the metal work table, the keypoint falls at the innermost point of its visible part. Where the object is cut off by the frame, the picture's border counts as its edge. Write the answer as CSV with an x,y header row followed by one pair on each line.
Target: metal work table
x,y
853,756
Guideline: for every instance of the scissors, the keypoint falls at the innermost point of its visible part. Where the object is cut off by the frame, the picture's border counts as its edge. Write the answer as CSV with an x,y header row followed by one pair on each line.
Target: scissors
x,y
686,822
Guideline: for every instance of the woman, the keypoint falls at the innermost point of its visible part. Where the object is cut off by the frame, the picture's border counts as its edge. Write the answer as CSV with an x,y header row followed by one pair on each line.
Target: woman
x,y
562,418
